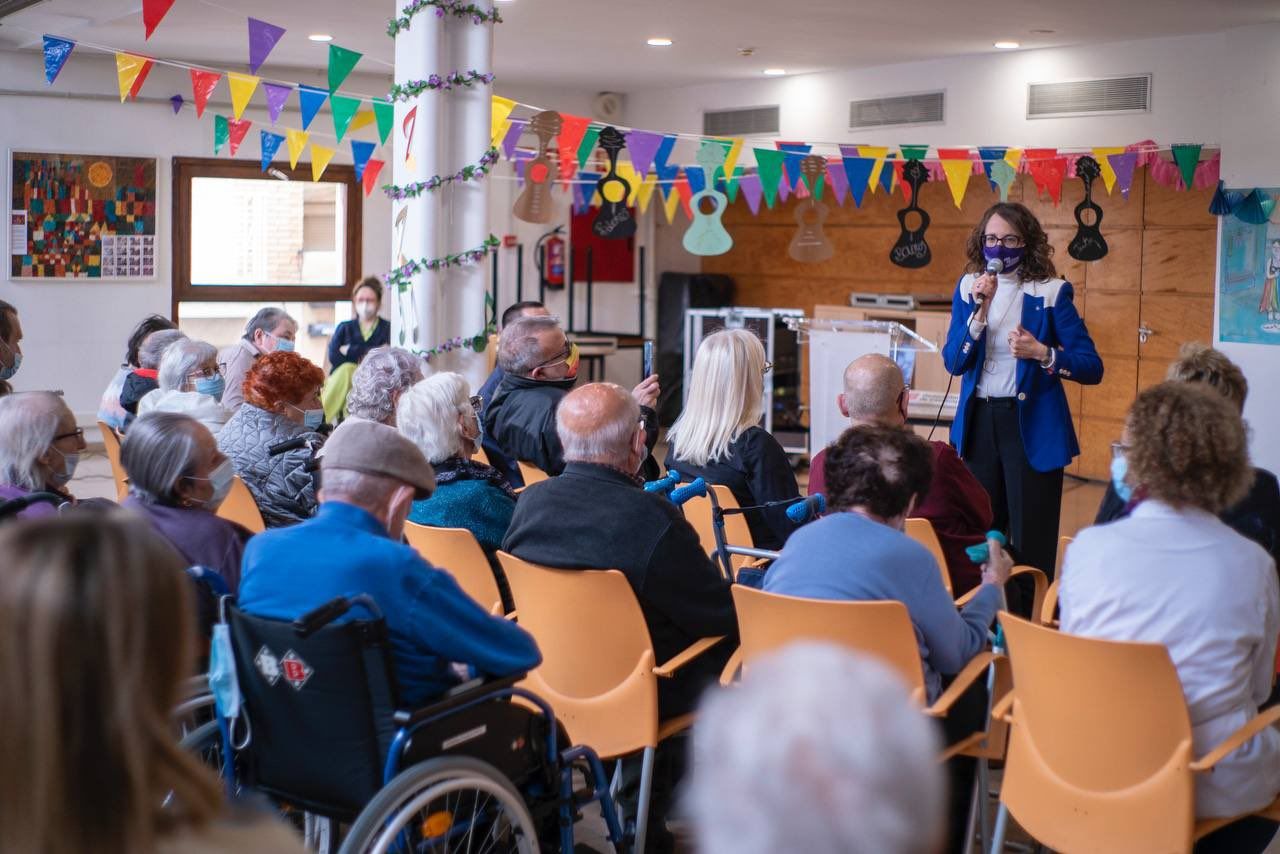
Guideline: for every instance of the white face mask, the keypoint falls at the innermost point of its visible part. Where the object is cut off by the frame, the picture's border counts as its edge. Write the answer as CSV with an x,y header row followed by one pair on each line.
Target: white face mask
x,y
366,311
69,463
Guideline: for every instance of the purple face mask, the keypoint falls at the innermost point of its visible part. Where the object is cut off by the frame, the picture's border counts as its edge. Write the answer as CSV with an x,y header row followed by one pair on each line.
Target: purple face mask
x,y
1011,257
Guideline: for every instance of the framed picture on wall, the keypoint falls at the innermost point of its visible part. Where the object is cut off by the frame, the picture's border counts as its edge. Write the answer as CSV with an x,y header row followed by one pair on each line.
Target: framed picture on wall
x,y
82,216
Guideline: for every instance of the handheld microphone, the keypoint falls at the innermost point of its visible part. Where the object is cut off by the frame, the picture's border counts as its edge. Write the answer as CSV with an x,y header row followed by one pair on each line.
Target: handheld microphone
x,y
994,266
811,508
697,489
664,485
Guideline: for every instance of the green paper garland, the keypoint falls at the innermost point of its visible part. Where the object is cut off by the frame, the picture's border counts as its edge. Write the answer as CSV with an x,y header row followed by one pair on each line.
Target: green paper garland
x,y
477,14
400,277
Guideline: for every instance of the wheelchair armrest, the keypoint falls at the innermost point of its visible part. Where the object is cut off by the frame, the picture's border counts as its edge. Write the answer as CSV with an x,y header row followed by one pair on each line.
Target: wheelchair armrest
x,y
457,696
315,620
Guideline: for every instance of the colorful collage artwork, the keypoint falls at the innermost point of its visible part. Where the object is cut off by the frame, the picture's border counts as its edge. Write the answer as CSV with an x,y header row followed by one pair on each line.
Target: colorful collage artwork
x,y
1249,282
82,217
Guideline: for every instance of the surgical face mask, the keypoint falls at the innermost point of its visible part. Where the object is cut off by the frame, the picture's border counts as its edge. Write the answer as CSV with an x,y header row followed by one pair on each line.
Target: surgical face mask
x,y
311,418
366,310
1120,468
222,673
213,386
220,480
1011,257
6,373
69,463
283,345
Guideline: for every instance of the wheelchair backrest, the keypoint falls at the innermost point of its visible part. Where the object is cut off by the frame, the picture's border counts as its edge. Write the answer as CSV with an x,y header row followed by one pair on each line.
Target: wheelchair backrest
x,y
320,709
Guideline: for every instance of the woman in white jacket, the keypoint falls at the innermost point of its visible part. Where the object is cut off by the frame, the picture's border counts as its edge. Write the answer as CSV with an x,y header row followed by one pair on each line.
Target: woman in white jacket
x,y
189,384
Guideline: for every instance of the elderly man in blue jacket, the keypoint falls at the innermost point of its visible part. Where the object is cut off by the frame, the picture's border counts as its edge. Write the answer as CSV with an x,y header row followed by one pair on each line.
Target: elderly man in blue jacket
x,y
370,475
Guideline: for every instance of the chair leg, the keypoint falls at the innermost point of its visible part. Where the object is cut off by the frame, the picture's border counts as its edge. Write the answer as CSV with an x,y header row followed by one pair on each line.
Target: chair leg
x,y
616,782
984,796
971,828
642,808
1002,825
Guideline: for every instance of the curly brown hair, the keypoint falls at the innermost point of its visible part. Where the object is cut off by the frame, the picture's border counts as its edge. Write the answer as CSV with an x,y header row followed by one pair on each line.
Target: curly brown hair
x,y
1200,363
1036,264
879,468
280,377
1188,447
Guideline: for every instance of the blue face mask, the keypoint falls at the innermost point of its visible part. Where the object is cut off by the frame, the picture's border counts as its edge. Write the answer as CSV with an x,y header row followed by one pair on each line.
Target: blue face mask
x,y
222,672
1011,257
1120,468
283,345
213,386
6,373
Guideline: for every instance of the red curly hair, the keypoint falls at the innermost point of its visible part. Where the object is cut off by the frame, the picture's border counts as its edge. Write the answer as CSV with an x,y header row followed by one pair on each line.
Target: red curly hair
x,y
280,377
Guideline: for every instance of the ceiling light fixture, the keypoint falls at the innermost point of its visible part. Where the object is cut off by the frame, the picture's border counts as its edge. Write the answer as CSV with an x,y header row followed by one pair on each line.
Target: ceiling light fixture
x,y
1006,45
659,41
320,37
775,72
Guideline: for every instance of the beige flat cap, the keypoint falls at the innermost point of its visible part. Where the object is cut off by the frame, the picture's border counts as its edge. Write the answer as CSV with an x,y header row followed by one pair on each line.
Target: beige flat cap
x,y
372,448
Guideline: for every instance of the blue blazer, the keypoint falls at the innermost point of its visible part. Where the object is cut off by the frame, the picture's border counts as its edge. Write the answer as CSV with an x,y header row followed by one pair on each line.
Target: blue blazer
x,y
1048,313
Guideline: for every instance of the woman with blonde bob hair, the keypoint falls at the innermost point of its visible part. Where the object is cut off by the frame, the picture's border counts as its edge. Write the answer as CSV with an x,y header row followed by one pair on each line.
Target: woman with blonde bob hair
x,y
96,621
718,435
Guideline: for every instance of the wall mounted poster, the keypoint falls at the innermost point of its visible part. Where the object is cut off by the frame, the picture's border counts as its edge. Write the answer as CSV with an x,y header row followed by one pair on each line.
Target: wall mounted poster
x,y
1249,281
76,216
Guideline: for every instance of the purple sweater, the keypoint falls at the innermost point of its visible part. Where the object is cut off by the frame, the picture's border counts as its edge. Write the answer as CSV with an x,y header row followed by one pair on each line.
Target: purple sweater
x,y
35,511
201,537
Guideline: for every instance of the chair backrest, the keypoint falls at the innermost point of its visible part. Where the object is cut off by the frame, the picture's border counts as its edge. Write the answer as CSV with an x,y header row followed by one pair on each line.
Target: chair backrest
x,y
456,551
1048,615
597,657
697,511
921,530
1100,743
479,455
767,621
531,473
111,442
240,507
1063,542
320,709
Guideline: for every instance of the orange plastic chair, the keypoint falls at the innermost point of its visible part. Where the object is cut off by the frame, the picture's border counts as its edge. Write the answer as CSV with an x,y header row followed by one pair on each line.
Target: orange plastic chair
x,y
456,551
480,456
1100,748
531,473
598,670
111,442
921,530
240,507
1039,581
697,512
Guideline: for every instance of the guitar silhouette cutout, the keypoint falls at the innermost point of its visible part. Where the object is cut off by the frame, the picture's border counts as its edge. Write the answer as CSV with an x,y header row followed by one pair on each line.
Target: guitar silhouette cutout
x,y
534,204
614,221
912,250
810,245
1088,244
706,236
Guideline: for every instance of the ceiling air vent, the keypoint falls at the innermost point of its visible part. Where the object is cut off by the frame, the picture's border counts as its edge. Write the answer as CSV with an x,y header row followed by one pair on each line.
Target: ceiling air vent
x,y
1130,94
924,109
744,122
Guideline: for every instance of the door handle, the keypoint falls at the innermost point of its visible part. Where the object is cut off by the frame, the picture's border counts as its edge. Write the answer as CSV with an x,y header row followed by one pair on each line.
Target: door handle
x,y
1145,332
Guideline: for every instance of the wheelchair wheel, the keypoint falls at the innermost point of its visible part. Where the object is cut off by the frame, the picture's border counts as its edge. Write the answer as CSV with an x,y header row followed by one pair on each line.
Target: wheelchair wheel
x,y
441,806
206,743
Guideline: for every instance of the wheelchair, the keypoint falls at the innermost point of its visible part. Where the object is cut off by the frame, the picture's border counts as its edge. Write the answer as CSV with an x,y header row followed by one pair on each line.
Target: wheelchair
x,y
483,769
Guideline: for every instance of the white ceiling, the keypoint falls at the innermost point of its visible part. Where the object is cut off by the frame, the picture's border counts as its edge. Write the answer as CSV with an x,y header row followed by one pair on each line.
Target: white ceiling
x,y
595,45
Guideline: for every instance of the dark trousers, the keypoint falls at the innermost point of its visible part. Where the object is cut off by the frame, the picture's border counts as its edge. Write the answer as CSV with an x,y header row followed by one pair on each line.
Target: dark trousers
x,y
1026,503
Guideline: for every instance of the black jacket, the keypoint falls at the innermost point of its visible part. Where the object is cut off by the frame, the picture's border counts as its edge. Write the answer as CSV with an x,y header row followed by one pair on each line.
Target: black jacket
x,y
348,335
593,517
756,471
521,420
134,389
1256,517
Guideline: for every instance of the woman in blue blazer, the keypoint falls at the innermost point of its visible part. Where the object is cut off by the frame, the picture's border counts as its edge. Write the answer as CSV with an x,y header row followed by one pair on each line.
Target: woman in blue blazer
x,y
1014,337
351,342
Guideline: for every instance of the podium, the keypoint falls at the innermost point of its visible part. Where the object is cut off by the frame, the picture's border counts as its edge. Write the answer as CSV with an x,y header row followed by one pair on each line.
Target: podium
x,y
833,344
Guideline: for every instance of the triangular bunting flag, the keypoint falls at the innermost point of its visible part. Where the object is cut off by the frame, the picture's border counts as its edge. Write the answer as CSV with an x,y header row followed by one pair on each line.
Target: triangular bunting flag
x,y
297,141
627,172
320,157
572,129
277,96
385,114
671,204
731,154
1013,157
583,186
520,161
1103,155
202,85
685,193
958,165
990,156
153,12
1188,158
270,145
644,193
361,151
311,99
1123,165
858,172
499,111
769,164
898,166
370,179
916,152
642,146
341,61
220,133
752,191
177,101
888,177
666,172
363,119
731,186
262,39
839,182
344,110
794,152
56,52
237,130
877,153
242,88
512,139
131,71
1002,175
587,145
784,186
696,177
1048,171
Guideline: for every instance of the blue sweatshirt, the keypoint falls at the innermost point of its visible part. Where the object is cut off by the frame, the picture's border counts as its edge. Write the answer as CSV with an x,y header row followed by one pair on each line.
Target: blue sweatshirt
x,y
344,551
847,556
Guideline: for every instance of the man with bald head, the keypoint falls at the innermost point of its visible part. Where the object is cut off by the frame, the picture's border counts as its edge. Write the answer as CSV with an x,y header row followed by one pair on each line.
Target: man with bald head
x,y
597,516
956,503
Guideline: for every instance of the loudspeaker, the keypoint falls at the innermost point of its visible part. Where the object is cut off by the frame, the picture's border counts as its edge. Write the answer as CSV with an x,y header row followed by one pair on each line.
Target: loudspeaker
x,y
676,293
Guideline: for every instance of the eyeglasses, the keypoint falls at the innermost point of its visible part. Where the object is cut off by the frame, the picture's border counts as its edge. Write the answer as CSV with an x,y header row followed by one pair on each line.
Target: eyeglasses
x,y
568,357
477,404
77,433
1009,241
768,368
1119,449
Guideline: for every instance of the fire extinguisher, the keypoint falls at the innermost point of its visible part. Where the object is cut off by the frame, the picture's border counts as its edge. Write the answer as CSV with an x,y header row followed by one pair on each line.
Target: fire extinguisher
x,y
551,259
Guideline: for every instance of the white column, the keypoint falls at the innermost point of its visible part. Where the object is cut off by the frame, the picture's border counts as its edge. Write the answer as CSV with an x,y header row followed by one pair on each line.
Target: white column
x,y
417,156
466,213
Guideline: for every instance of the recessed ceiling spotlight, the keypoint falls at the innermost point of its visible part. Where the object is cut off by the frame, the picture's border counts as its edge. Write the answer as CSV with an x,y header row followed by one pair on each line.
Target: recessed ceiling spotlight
x,y
775,72
320,37
659,41
1006,45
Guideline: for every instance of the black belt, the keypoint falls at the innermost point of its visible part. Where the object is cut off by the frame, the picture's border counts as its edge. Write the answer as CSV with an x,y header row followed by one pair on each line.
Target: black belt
x,y
1003,402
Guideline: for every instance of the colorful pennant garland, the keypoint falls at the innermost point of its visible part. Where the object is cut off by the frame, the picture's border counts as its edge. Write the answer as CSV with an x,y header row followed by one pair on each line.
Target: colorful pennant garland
x,y
385,115
131,71
361,151
237,131
297,142
439,82
242,88
153,12
402,276
343,110
311,99
270,145
477,14
320,157
263,38
341,62
370,177
56,51
202,85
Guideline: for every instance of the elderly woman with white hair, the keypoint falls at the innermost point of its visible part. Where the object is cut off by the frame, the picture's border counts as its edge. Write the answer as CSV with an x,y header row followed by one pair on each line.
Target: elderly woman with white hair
x,y
442,418
718,436
190,384
40,446
376,386
177,480
145,379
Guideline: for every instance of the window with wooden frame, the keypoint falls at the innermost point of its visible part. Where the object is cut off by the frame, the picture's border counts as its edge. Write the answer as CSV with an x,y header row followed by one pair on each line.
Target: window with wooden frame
x,y
242,235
